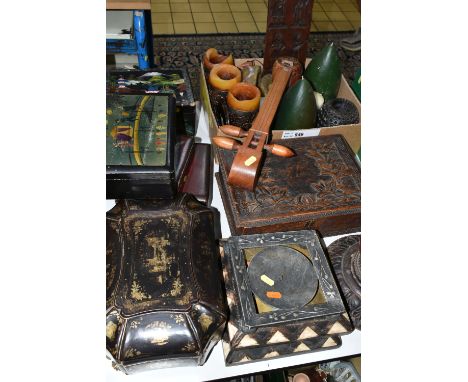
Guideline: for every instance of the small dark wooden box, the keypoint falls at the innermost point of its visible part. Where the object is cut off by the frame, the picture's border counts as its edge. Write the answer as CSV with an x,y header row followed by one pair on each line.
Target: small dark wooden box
x,y
165,305
256,331
319,189
198,176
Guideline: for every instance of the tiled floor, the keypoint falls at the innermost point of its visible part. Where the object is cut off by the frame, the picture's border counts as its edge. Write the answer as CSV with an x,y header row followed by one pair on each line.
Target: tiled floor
x,y
243,16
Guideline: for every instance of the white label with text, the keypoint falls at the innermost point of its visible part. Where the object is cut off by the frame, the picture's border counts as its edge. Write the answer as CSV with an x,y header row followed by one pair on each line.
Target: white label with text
x,y
300,133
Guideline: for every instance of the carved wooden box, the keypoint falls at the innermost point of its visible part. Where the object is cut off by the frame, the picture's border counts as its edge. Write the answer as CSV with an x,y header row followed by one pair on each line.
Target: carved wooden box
x,y
164,298
257,330
319,188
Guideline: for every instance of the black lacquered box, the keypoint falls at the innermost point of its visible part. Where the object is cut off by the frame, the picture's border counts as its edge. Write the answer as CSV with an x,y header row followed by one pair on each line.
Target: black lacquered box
x,y
261,270
140,142
165,305
159,81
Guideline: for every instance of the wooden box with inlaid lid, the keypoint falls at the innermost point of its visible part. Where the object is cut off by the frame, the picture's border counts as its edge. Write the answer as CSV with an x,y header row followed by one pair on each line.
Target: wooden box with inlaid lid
x,y
282,297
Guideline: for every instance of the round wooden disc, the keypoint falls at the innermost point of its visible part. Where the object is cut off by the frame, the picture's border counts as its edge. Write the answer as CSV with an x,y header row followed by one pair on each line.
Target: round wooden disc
x,y
291,274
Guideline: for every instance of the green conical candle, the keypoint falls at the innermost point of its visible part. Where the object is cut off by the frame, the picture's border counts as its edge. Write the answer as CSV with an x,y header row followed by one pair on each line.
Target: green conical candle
x,y
324,72
298,109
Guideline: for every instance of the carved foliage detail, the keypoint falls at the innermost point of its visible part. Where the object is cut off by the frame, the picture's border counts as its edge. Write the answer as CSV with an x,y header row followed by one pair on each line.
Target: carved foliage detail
x,y
326,182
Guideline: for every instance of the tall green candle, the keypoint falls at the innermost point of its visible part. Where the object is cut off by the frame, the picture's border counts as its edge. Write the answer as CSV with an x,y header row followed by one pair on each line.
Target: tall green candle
x,y
324,72
298,109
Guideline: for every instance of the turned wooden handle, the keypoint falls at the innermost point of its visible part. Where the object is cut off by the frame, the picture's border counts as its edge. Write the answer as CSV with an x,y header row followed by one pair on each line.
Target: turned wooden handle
x,y
267,111
281,151
226,143
296,68
245,168
233,131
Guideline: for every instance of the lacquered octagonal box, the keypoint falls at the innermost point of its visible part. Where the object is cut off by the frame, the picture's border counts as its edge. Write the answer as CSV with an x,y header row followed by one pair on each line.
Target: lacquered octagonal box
x,y
165,303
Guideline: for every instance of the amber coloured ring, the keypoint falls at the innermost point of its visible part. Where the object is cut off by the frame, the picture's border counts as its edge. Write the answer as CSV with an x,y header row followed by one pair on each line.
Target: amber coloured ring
x,y
244,97
224,76
212,57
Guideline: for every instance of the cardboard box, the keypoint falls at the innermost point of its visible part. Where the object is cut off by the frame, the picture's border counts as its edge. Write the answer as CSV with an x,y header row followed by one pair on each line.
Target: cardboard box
x,y
352,133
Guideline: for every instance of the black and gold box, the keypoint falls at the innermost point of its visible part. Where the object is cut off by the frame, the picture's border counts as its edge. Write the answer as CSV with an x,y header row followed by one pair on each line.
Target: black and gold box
x,y
282,297
140,141
164,298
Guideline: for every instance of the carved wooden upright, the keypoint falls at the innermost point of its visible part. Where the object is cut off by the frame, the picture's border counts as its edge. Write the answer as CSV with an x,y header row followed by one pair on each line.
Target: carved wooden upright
x,y
288,28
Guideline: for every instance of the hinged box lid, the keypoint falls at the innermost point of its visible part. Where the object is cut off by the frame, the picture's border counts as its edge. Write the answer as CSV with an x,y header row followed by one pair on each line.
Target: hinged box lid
x,y
140,140
154,81
240,251
258,330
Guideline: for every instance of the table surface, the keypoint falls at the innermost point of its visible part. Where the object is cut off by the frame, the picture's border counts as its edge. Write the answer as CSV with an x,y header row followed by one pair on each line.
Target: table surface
x,y
215,368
